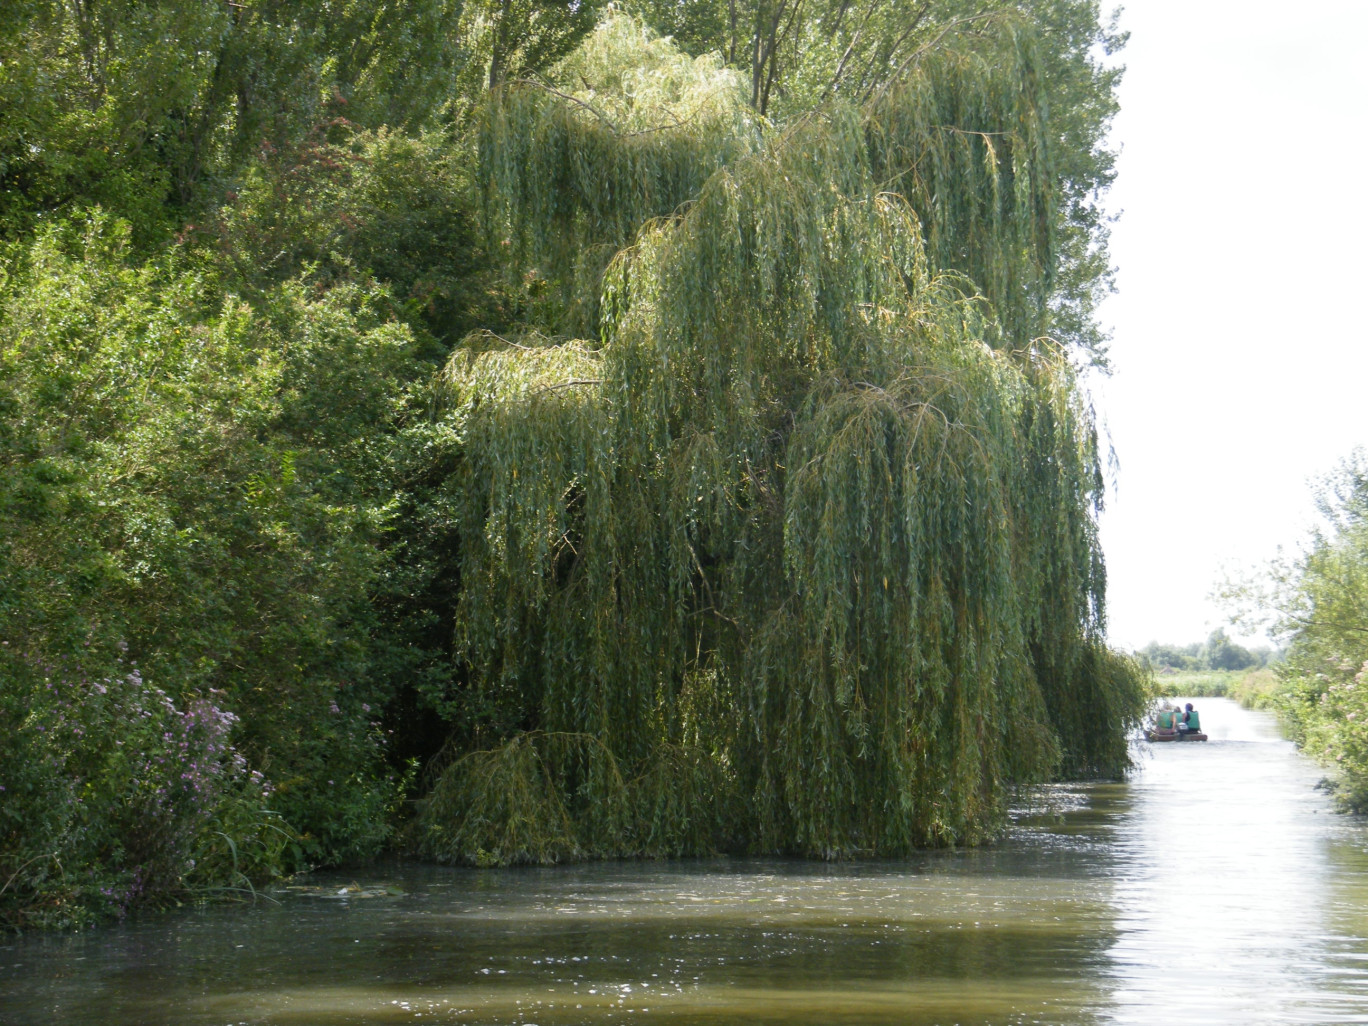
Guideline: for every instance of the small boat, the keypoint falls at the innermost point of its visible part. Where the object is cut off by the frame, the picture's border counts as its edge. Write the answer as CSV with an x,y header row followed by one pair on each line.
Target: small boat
x,y
1152,734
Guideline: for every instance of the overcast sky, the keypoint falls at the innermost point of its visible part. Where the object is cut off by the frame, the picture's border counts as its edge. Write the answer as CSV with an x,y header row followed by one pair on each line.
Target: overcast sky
x,y
1241,370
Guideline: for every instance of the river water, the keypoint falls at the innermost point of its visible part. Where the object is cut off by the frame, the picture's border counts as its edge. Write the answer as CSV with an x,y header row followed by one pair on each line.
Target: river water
x,y
1214,886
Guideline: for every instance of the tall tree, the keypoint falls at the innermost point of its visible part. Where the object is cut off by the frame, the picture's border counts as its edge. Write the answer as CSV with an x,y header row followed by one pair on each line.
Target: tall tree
x,y
793,553
797,54
137,104
512,38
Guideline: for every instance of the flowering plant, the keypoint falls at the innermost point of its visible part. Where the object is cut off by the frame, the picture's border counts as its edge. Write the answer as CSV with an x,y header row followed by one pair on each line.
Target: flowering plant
x,y
112,795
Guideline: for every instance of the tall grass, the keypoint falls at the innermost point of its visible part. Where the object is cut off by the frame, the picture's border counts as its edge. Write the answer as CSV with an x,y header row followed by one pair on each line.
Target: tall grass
x,y
1252,689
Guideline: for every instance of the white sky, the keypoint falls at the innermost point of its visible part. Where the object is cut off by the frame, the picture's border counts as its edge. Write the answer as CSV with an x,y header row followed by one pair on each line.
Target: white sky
x,y
1241,370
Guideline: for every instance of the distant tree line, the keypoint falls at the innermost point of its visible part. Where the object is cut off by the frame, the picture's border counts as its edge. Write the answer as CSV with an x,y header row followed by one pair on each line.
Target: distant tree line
x,y
1218,652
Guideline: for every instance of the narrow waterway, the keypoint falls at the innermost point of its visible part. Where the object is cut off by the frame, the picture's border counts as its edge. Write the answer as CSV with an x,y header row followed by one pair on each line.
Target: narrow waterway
x,y
1215,886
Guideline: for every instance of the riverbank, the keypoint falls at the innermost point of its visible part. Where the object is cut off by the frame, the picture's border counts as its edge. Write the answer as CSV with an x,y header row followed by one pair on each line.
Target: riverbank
x,y
1252,689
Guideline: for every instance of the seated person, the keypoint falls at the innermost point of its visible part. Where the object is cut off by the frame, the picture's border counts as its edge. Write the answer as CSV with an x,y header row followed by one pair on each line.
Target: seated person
x,y
1191,723
1165,721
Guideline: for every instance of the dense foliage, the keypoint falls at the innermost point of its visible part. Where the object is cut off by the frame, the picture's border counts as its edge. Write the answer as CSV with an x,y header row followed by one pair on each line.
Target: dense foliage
x,y
1218,652
616,448
1320,601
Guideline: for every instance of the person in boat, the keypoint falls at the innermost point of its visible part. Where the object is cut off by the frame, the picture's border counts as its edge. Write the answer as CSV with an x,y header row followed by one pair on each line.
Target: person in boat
x,y
1191,723
1166,720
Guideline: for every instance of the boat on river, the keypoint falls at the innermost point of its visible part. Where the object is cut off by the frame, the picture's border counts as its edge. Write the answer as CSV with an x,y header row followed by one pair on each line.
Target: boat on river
x,y
1154,734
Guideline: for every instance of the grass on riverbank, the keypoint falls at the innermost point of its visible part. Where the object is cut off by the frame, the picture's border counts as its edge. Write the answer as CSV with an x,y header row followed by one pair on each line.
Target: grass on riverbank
x,y
1253,689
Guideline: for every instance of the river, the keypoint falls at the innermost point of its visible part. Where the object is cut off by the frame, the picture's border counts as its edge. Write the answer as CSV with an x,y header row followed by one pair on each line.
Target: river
x,y
1216,885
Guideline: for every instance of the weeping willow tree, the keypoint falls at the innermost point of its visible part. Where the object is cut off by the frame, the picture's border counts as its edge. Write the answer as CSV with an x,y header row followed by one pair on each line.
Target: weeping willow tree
x,y
796,552
572,174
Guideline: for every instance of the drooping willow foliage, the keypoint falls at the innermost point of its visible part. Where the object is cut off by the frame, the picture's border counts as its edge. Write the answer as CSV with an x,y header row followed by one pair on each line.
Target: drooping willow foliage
x,y
963,137
631,132
799,554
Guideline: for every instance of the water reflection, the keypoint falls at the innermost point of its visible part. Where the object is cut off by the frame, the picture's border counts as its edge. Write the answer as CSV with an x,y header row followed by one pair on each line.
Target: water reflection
x,y
1213,887
1225,900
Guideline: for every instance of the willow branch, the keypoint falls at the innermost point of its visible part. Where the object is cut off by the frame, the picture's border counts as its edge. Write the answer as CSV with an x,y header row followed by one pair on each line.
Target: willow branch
x,y
604,118
1332,624
572,99
845,57
969,131
46,855
495,335
840,68
570,384
929,44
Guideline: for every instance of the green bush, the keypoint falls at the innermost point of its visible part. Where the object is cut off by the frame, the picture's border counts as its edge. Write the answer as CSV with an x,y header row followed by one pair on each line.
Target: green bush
x,y
1322,599
204,480
341,205
113,795
1256,689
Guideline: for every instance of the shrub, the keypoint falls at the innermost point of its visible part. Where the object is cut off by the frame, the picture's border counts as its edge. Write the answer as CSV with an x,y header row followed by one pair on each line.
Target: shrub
x,y
112,796
204,479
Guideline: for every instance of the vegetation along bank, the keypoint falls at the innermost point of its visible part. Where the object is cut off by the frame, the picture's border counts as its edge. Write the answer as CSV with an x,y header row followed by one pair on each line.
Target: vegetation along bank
x,y
522,432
